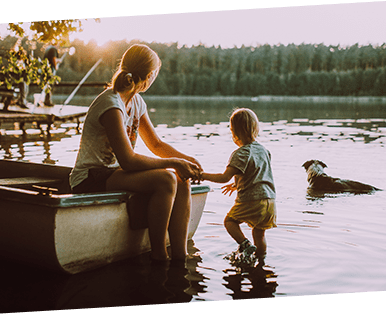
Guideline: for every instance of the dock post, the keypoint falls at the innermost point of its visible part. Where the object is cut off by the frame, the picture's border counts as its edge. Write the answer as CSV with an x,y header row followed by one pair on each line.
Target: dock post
x,y
50,122
40,127
78,125
21,126
48,129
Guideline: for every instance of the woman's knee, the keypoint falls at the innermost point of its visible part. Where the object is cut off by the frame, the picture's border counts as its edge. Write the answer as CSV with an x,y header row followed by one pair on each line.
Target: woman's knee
x,y
167,181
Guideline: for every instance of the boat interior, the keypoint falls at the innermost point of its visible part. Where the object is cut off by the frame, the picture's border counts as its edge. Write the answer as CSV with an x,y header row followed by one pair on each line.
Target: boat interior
x,y
48,184
42,178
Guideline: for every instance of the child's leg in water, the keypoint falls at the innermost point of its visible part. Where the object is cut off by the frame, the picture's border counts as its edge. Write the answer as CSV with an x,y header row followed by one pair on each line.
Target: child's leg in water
x,y
233,228
244,254
260,241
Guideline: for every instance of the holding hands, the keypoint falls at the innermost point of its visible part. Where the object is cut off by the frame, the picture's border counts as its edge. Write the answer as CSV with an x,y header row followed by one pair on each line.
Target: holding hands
x,y
197,174
188,169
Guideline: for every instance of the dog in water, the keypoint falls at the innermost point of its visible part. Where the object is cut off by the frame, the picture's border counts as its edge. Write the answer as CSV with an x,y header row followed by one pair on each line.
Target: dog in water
x,y
319,181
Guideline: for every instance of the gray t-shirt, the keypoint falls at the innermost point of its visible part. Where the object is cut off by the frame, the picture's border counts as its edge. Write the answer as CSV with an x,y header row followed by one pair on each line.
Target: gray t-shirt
x,y
95,150
256,180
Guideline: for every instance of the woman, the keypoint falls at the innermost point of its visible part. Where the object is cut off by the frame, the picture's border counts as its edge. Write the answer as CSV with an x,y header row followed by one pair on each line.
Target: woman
x,y
107,161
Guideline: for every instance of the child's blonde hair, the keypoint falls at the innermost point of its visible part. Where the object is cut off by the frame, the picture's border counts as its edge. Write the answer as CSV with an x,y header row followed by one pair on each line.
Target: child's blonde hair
x,y
245,124
136,64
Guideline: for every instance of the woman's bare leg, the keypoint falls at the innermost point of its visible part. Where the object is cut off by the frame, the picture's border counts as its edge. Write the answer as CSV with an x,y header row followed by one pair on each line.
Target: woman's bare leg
x,y
179,221
163,185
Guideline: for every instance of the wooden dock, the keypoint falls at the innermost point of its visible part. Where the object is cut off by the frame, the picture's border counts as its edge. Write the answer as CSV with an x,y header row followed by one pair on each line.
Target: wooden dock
x,y
42,115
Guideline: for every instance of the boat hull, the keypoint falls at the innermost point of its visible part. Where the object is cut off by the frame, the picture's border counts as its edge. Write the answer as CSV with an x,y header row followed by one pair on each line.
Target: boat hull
x,y
77,232
92,236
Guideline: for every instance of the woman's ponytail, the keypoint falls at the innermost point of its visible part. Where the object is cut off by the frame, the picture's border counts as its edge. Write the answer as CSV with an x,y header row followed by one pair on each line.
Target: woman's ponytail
x,y
137,62
122,81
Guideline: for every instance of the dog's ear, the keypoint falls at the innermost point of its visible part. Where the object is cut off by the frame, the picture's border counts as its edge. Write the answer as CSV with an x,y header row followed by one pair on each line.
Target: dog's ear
x,y
322,164
307,164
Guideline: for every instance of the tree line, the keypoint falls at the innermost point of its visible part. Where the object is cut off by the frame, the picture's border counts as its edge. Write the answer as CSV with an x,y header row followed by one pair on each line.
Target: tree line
x,y
306,69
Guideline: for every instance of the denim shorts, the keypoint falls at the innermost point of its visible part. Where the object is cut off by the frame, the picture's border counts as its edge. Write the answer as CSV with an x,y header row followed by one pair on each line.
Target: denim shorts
x,y
95,182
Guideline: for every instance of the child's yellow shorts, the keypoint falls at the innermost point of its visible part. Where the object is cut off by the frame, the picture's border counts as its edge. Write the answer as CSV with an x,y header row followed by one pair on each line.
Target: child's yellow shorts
x,y
259,214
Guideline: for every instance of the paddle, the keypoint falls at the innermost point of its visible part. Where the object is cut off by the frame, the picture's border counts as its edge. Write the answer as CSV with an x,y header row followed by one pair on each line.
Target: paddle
x,y
69,98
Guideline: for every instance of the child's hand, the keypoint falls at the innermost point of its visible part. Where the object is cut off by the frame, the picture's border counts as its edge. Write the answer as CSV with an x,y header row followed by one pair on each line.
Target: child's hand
x,y
197,179
230,188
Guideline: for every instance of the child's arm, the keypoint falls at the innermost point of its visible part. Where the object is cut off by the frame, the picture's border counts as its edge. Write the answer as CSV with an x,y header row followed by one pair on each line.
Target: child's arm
x,y
225,177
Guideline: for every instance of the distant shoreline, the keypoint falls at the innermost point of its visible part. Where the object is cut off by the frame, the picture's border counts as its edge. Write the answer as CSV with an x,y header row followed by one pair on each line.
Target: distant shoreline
x,y
274,98
324,99
375,100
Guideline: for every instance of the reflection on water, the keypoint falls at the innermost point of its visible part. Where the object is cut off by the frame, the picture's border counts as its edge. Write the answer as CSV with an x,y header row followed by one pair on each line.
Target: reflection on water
x,y
253,283
189,112
131,282
134,281
321,245
35,146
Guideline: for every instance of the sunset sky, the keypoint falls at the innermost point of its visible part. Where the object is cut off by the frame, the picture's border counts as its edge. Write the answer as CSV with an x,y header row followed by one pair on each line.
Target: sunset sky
x,y
247,22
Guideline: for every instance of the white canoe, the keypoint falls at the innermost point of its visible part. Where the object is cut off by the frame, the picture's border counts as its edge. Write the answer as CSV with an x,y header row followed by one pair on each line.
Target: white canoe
x,y
71,232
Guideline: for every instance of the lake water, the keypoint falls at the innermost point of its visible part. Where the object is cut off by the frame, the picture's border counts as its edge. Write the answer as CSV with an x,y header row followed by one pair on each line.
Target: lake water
x,y
329,245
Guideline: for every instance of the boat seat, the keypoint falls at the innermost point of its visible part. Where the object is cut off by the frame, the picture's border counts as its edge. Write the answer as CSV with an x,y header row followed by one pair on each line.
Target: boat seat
x,y
28,181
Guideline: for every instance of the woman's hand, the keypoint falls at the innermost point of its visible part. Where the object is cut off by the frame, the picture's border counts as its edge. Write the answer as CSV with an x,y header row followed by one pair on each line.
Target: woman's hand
x,y
194,161
186,169
230,188
198,175
164,150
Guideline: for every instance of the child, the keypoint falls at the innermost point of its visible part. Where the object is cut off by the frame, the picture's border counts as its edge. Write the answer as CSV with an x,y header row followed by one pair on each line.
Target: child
x,y
255,201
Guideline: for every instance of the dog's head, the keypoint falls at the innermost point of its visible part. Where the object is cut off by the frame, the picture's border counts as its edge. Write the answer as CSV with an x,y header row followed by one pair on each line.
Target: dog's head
x,y
314,168
314,163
